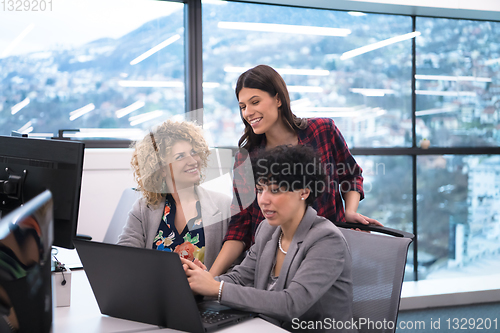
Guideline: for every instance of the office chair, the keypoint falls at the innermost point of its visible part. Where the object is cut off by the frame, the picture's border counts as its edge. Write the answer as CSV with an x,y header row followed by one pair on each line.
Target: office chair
x,y
129,196
378,266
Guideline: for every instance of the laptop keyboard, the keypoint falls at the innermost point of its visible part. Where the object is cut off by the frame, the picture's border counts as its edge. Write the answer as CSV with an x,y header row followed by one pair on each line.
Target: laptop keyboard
x,y
212,317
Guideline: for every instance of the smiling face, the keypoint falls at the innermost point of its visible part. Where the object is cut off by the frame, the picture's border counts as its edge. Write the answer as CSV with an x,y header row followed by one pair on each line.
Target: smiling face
x,y
183,166
279,206
259,109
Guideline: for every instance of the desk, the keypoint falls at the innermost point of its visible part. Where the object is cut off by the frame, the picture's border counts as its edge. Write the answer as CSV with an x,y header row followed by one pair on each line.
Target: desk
x,y
84,316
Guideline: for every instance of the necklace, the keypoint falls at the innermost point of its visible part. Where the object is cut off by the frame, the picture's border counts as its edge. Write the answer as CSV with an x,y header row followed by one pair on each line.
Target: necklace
x,y
279,244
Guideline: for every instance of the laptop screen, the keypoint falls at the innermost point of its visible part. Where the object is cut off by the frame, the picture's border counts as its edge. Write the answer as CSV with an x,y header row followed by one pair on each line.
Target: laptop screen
x,y
26,236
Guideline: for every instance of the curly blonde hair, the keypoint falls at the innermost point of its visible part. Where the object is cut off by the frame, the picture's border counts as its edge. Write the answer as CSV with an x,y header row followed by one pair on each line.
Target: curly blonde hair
x,y
151,153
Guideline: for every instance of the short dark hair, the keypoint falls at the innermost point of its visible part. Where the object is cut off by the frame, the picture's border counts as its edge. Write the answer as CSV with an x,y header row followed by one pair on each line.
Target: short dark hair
x,y
290,167
265,78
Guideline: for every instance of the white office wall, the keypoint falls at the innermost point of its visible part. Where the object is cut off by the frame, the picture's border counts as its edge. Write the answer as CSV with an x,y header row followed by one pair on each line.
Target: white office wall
x,y
106,173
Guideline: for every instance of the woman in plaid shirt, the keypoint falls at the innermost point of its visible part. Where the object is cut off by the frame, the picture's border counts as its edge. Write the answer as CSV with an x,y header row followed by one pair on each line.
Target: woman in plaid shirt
x,y
269,122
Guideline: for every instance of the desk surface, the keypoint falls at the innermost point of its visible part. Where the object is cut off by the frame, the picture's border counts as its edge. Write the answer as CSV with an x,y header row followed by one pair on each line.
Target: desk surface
x,y
84,316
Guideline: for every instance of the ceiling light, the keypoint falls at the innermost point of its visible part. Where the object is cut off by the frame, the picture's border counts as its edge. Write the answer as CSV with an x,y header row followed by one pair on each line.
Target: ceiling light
x,y
209,85
302,89
81,111
129,109
452,78
435,111
285,28
372,92
446,93
139,119
361,112
16,108
151,84
324,112
155,49
26,128
378,45
315,114
302,102
323,108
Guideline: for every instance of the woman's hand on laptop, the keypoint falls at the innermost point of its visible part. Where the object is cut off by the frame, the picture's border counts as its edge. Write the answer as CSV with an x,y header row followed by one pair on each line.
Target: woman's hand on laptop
x,y
200,281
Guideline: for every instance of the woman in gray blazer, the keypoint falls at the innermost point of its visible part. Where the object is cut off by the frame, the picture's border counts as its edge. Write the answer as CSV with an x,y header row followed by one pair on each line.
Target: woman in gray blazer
x,y
298,272
174,213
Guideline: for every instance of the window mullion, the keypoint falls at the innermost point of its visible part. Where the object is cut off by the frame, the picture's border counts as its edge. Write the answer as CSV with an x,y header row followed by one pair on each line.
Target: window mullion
x,y
194,61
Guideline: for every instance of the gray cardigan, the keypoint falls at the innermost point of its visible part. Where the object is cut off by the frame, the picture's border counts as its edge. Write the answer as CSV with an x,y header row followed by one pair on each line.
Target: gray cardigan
x,y
314,282
143,222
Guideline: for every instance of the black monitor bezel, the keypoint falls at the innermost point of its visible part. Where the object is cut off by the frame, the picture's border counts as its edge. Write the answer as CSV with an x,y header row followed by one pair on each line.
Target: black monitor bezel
x,y
29,153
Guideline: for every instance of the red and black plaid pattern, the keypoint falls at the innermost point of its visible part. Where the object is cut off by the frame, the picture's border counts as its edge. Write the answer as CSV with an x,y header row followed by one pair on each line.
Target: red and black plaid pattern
x,y
343,174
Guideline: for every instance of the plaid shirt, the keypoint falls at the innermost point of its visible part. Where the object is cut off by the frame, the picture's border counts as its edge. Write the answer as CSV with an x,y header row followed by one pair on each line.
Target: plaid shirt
x,y
336,159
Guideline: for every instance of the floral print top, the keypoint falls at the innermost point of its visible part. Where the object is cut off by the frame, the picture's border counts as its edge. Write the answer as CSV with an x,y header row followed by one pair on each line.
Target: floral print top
x,y
190,243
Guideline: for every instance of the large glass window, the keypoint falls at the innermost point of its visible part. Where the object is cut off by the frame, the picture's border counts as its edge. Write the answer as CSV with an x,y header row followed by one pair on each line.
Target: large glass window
x,y
115,68
458,82
108,68
388,194
352,67
387,186
458,215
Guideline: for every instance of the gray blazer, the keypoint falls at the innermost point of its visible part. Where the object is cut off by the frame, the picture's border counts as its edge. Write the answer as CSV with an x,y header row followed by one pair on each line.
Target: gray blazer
x,y
143,222
314,283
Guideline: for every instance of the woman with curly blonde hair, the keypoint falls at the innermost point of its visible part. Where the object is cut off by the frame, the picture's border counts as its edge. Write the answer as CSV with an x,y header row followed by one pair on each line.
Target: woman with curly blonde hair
x,y
174,213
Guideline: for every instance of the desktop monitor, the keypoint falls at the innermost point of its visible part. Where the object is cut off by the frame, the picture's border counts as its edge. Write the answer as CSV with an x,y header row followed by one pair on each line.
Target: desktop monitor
x,y
25,267
28,166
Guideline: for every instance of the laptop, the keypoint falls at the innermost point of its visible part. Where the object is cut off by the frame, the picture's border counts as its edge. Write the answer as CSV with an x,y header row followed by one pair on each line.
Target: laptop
x,y
26,236
149,286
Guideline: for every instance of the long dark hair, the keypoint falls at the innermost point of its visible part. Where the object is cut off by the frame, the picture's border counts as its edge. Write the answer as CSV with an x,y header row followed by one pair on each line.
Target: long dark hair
x,y
265,78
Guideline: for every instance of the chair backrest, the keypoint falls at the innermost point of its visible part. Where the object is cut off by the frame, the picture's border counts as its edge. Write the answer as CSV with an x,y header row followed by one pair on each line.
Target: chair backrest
x,y
129,196
219,162
218,171
378,266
